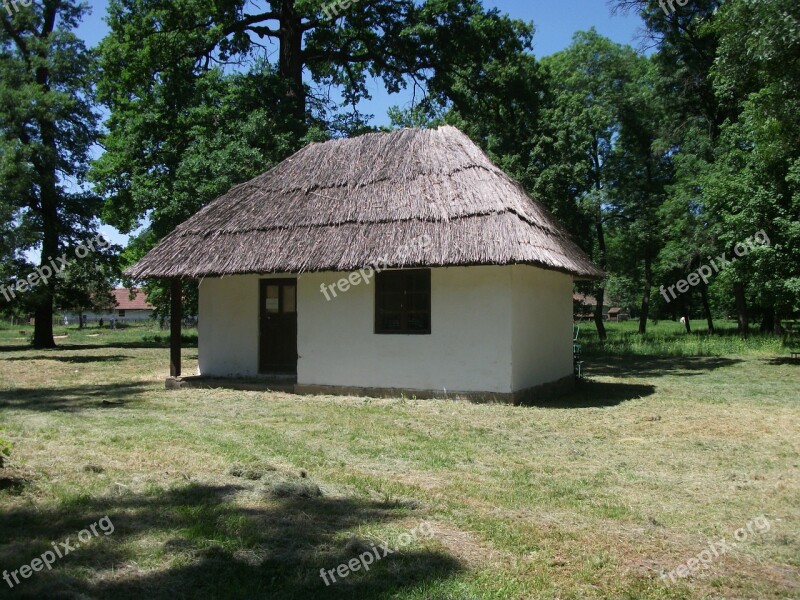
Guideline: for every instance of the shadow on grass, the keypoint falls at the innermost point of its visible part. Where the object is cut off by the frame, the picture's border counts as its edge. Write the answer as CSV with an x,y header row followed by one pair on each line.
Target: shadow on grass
x,y
782,360
69,399
73,359
187,341
654,366
13,484
206,545
596,394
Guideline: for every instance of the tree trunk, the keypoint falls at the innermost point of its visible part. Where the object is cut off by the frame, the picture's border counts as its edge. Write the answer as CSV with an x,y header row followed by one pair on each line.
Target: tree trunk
x,y
46,171
648,283
290,64
741,308
767,320
600,293
706,307
778,328
598,313
771,323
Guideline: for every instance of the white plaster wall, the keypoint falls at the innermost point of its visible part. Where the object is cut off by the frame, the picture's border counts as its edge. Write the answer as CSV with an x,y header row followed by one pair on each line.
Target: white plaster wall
x,y
469,348
130,315
493,329
542,326
227,328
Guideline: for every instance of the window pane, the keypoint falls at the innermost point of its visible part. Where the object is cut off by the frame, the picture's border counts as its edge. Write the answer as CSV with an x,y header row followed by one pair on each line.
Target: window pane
x,y
390,322
417,302
289,298
391,301
272,300
402,301
419,322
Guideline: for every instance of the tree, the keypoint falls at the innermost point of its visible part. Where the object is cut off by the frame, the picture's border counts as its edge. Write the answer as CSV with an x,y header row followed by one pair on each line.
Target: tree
x,y
162,69
688,42
590,81
755,185
640,168
47,127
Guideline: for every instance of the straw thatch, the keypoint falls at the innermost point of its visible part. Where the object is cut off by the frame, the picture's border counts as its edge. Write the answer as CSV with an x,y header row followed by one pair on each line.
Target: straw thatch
x,y
406,198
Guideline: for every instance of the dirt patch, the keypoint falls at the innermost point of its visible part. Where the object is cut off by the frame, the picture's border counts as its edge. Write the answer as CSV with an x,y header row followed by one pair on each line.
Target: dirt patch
x,y
467,548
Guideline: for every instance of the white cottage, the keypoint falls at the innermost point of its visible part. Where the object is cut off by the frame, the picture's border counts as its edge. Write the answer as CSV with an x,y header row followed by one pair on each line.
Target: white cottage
x,y
387,263
128,306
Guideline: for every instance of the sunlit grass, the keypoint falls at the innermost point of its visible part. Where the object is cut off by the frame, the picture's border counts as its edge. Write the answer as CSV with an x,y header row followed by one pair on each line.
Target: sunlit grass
x,y
591,497
669,338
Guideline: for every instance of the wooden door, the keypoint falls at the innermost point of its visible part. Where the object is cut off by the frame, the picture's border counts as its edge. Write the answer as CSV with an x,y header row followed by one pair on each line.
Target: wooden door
x,y
278,326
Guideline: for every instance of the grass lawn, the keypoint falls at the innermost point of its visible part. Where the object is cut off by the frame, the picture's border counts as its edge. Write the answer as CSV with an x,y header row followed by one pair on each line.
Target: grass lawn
x,y
670,445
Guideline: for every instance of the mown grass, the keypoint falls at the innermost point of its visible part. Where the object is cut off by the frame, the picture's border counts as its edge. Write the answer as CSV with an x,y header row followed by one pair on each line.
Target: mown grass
x,y
212,491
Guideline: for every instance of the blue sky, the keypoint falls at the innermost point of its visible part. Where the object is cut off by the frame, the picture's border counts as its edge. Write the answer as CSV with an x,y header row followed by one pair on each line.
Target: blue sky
x,y
555,20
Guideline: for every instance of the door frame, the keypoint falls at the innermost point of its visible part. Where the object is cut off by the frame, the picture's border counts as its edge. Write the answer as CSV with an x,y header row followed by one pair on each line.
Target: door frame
x,y
262,283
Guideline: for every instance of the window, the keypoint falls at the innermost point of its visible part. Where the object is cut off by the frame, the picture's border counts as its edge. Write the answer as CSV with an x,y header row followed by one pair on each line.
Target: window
x,y
403,301
121,312
272,303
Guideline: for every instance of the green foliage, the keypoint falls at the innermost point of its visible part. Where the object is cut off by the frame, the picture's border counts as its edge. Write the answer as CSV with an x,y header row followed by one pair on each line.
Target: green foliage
x,y
731,124
166,155
5,450
86,284
755,183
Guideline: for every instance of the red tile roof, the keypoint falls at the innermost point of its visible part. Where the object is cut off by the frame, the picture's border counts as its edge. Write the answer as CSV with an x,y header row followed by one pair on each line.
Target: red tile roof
x,y
123,301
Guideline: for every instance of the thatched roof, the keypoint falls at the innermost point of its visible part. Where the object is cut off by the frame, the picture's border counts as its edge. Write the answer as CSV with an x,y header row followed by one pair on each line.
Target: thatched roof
x,y
345,204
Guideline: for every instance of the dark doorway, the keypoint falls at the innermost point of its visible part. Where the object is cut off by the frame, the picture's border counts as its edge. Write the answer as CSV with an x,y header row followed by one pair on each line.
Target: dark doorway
x,y
278,326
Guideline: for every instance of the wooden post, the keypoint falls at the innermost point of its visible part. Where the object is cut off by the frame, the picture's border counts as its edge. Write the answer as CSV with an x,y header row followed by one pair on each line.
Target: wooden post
x,y
175,318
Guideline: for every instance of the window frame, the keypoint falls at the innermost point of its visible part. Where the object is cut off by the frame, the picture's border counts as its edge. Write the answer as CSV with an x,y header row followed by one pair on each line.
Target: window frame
x,y
381,291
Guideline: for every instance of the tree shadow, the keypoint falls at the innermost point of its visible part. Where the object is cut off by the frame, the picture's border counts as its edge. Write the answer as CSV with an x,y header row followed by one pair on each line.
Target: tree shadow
x,y
73,359
596,394
12,483
187,341
70,399
219,541
655,366
782,360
